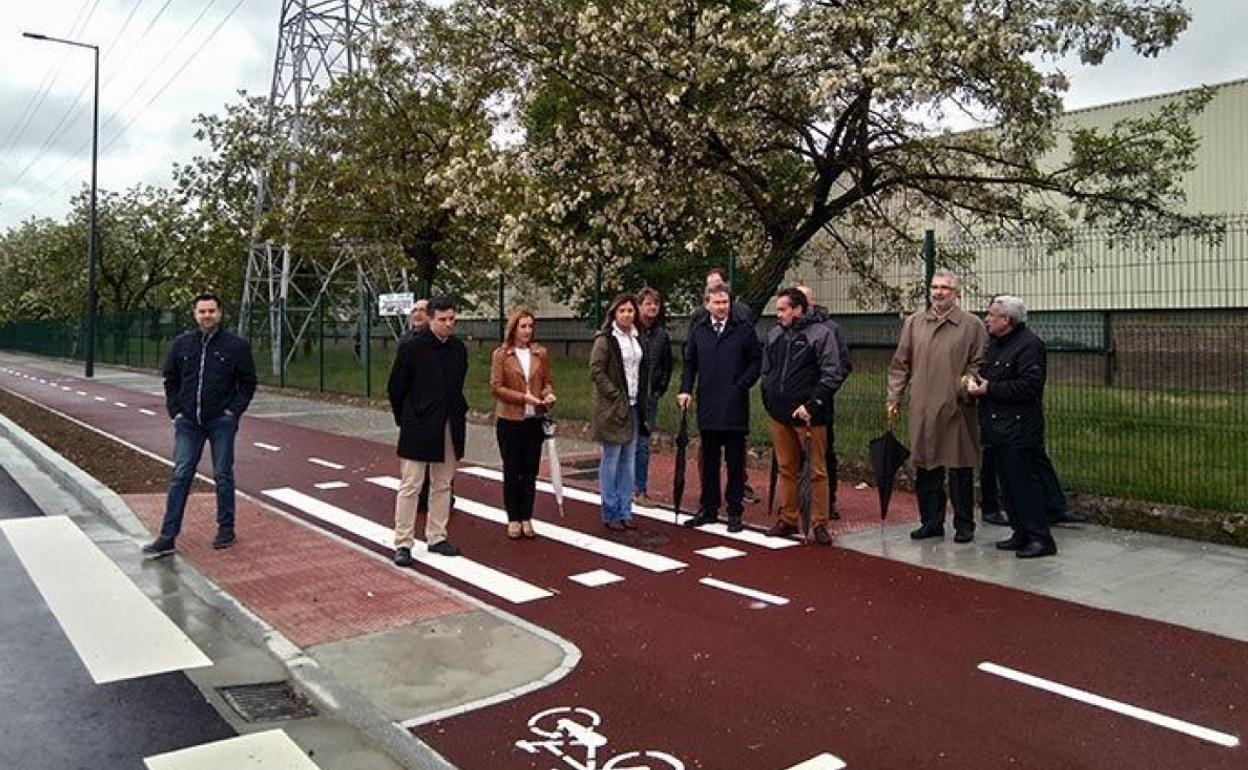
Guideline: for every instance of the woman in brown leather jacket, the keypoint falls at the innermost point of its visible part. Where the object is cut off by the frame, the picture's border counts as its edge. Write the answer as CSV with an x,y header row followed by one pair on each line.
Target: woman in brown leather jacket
x,y
523,391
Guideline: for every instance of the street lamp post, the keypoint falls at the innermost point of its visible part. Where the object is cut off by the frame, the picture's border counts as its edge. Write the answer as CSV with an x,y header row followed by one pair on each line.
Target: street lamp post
x,y
88,348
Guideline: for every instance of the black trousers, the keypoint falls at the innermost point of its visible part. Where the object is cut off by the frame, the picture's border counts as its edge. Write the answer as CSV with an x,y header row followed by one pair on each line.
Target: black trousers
x,y
730,445
929,486
520,444
1018,470
990,487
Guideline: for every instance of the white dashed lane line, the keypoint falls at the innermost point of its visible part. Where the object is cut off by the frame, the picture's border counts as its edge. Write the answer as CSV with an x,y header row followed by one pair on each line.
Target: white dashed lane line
x,y
596,578
148,412
268,447
332,485
1118,707
761,596
719,553
326,463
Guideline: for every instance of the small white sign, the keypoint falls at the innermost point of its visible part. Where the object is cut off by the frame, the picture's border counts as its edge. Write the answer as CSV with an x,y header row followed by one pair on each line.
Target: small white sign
x,y
399,304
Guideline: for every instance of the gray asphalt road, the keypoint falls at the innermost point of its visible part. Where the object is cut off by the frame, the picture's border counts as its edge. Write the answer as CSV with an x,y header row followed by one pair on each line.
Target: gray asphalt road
x,y
54,717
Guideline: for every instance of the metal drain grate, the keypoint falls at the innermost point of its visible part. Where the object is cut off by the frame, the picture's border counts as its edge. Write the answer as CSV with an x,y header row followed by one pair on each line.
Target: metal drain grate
x,y
267,701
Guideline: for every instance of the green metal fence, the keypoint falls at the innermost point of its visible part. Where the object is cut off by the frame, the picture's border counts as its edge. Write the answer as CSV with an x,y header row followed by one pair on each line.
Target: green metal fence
x,y
1148,370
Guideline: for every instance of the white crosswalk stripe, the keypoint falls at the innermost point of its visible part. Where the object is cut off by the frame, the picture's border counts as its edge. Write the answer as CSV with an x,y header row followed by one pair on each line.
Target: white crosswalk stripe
x,y
657,514
116,630
601,546
268,750
486,578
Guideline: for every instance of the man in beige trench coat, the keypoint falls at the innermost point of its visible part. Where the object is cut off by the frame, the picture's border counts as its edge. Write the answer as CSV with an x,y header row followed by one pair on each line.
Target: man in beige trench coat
x,y
939,348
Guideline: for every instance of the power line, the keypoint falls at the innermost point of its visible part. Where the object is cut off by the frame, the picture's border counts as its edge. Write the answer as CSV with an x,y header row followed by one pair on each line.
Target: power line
x,y
60,126
137,115
41,93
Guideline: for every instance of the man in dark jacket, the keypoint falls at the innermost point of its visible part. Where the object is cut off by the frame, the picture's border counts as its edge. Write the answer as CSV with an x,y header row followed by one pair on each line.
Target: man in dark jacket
x,y
417,320
819,314
800,370
1010,395
724,358
210,378
656,346
741,313
427,398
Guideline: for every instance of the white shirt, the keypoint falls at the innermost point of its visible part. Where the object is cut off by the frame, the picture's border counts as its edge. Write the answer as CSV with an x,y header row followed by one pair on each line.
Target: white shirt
x,y
630,351
525,356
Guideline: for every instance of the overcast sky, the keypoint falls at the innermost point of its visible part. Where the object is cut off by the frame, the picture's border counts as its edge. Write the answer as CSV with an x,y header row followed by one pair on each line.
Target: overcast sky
x,y
164,61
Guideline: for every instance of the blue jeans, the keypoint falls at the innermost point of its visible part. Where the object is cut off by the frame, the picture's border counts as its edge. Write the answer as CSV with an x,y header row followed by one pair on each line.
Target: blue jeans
x,y
188,446
615,477
642,470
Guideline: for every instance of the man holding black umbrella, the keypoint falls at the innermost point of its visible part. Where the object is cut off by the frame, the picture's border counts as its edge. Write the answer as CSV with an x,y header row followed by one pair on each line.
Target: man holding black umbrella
x,y
801,367
724,357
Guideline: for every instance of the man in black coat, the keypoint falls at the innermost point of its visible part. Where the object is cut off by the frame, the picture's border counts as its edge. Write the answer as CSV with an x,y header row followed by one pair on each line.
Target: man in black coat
x,y
427,397
1011,418
210,378
724,357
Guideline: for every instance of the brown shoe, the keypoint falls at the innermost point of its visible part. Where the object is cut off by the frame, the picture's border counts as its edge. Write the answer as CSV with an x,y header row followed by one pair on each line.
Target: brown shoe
x,y
781,529
526,529
820,535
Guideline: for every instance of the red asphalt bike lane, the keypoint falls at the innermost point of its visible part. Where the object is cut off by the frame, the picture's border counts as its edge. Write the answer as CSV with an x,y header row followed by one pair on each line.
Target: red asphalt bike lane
x,y
872,661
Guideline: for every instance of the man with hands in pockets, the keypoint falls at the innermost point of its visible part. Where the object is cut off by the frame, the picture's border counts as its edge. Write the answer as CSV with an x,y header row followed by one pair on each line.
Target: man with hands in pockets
x,y
210,378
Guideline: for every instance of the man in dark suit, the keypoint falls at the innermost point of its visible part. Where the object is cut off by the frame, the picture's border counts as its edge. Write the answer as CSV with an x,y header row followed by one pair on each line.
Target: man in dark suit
x,y
1010,394
724,357
427,397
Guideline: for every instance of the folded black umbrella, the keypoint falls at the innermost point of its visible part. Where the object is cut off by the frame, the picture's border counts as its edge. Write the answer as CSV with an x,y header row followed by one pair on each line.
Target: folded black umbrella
x,y
804,483
682,448
772,477
887,455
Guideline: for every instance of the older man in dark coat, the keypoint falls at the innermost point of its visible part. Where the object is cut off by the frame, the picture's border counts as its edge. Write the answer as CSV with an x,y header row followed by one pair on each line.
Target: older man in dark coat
x,y
724,357
1010,394
427,398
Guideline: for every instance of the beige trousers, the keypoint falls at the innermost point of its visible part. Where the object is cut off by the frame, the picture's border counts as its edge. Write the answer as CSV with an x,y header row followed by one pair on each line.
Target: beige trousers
x,y
413,473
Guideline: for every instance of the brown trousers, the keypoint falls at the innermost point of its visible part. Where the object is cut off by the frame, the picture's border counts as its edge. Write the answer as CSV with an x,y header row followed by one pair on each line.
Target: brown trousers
x,y
787,440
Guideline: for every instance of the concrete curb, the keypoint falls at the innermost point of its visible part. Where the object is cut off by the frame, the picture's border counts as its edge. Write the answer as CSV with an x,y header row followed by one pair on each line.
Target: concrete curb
x,y
329,696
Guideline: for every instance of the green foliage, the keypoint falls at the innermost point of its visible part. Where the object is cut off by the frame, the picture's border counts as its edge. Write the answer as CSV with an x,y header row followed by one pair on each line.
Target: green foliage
x,y
660,126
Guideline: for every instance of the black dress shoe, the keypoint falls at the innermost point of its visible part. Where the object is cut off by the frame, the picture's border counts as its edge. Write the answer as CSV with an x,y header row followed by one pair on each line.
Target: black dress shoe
x,y
924,532
996,517
1035,549
735,524
1068,517
1015,542
963,536
702,519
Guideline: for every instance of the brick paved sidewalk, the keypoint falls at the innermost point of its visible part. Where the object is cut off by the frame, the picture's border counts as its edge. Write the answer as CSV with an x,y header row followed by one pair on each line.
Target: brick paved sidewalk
x,y
306,585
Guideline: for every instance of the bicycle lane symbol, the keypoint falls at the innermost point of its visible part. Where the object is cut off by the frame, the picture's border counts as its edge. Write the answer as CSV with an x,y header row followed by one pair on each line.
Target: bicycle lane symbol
x,y
571,735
